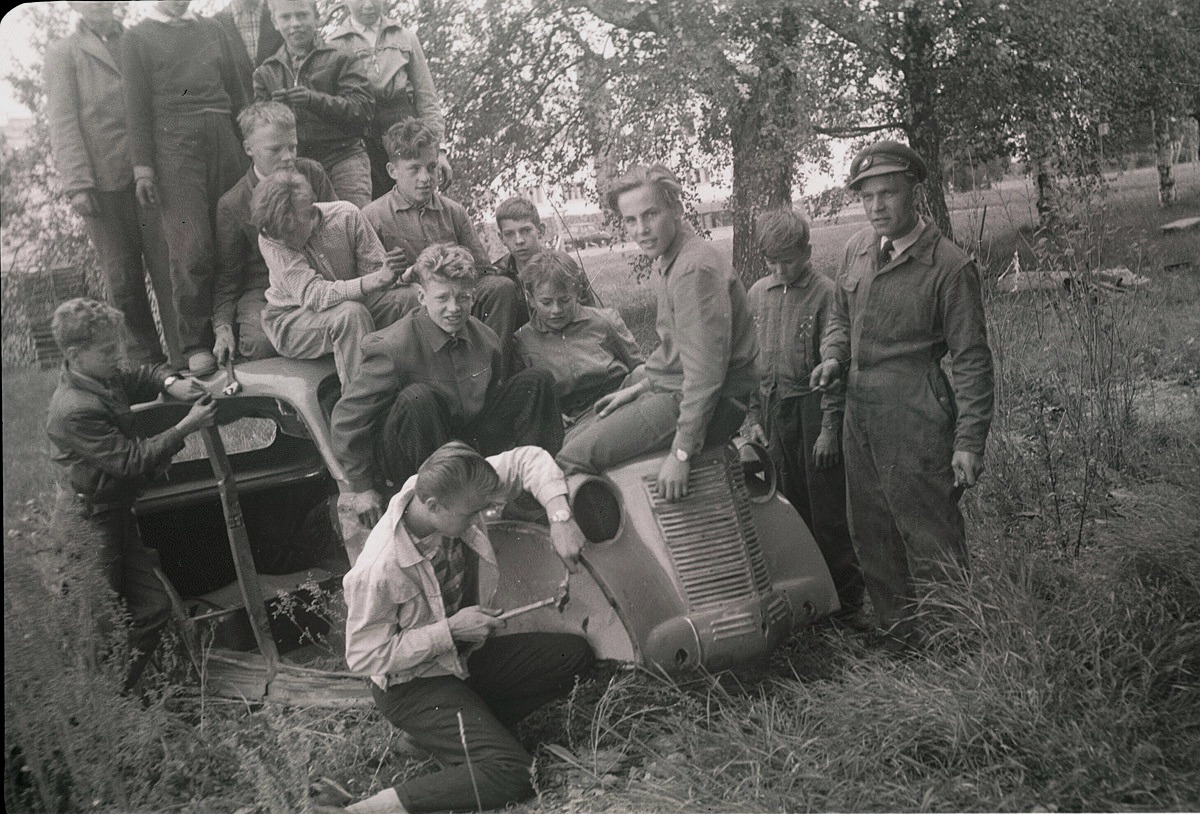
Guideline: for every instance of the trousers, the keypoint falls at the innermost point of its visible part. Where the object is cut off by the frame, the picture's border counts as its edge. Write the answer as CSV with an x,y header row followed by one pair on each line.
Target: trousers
x,y
351,178
510,677
197,158
819,495
907,528
252,341
300,333
131,245
647,424
519,411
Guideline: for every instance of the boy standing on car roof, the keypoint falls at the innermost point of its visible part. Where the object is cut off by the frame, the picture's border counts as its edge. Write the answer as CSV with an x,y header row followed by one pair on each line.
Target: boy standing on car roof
x,y
906,297
181,93
86,115
328,90
106,464
420,622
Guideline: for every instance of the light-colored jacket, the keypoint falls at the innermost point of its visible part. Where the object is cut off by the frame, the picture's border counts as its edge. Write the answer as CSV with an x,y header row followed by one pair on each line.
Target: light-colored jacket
x,y
399,75
396,625
86,105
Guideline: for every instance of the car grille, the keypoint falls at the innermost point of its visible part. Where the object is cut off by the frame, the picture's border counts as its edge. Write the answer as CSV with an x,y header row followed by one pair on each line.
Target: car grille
x,y
711,534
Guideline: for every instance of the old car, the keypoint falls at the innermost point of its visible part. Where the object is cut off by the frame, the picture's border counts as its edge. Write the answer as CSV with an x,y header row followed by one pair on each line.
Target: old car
x,y
253,546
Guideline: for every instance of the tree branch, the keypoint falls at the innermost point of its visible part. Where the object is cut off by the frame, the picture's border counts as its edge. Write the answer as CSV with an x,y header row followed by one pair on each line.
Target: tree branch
x,y
862,130
631,15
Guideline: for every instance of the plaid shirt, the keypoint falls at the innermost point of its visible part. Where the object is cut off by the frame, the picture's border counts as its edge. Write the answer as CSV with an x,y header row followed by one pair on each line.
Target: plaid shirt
x,y
329,269
247,18
448,557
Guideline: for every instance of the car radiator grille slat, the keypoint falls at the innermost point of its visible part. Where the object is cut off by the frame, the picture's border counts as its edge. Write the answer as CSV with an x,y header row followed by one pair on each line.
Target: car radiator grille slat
x,y
712,537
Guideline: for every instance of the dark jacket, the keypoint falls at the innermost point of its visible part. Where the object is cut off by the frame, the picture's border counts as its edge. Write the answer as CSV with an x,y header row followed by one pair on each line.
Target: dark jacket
x,y
90,425
331,128
269,41
240,264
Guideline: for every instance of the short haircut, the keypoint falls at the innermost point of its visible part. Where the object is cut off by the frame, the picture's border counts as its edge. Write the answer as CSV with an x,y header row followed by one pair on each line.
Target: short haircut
x,y
406,139
76,322
455,469
278,201
262,114
556,269
656,176
446,261
518,209
781,230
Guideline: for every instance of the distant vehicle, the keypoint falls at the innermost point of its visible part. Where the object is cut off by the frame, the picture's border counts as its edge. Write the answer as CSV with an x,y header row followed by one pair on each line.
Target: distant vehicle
x,y
254,557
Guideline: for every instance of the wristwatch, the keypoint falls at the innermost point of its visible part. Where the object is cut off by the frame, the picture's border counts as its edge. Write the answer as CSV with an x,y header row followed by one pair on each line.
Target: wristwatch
x,y
681,455
561,516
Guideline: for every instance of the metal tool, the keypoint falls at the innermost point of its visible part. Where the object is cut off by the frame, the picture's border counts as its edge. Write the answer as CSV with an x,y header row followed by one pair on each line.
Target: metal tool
x,y
560,599
232,385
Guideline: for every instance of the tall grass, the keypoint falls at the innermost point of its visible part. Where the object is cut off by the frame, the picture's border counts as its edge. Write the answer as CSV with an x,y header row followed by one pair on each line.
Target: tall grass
x,y
1065,675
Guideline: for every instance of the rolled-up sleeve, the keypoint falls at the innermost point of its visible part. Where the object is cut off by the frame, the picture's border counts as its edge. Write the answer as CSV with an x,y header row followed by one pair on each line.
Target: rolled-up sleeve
x,y
532,469
294,282
375,643
703,328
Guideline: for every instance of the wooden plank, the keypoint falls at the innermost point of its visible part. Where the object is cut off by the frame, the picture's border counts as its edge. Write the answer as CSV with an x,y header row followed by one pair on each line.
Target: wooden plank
x,y
1181,225
239,545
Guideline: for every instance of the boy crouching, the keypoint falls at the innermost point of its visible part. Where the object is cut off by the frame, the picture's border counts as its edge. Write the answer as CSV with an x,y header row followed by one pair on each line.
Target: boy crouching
x,y
420,622
106,464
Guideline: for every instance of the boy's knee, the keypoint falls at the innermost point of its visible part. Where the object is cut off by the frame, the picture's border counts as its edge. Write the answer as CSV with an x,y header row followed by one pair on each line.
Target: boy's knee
x,y
510,780
254,345
350,319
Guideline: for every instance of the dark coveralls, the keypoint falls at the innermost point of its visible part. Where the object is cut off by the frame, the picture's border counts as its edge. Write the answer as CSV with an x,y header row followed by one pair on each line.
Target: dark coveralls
x,y
890,328
89,425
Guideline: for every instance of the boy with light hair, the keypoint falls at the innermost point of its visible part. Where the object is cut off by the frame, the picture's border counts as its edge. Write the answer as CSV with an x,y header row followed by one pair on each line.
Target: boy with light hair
x,y
436,375
694,387
421,622
330,281
269,133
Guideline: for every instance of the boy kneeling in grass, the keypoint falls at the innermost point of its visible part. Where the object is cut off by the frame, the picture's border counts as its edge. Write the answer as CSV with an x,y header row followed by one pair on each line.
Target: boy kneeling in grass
x,y
106,465
588,350
801,426
420,622
331,283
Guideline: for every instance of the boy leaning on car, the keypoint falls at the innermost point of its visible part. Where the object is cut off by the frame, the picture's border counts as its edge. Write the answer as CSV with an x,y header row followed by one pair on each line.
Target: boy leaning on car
x,y
106,464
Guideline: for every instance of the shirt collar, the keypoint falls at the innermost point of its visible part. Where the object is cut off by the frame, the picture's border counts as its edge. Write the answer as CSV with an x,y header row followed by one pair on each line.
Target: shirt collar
x,y
402,203
85,382
904,242
541,328
407,553
803,281
436,337
155,14
104,32
685,233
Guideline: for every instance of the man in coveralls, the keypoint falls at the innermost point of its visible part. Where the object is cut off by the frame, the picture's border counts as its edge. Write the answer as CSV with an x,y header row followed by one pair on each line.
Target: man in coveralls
x,y
914,439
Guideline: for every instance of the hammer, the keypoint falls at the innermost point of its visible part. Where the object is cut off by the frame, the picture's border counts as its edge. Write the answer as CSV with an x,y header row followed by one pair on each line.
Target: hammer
x,y
560,599
232,385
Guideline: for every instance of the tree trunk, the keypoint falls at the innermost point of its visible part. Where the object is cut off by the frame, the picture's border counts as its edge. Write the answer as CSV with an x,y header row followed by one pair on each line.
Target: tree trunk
x,y
762,131
924,128
596,102
1166,151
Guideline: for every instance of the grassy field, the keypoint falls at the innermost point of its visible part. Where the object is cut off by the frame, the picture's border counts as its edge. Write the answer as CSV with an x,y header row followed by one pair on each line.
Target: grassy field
x,y
1067,676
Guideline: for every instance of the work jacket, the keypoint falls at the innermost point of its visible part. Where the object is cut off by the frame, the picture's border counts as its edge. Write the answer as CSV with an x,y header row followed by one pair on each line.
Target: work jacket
x,y
91,427
901,318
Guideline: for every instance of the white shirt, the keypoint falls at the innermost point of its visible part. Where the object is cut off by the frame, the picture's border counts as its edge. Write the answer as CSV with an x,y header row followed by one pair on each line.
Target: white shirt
x,y
904,242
